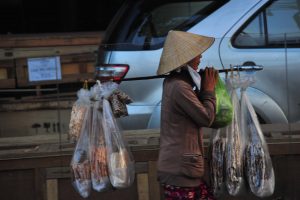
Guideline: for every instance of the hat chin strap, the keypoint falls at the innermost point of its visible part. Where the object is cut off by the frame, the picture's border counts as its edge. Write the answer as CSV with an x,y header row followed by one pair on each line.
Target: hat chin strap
x,y
195,76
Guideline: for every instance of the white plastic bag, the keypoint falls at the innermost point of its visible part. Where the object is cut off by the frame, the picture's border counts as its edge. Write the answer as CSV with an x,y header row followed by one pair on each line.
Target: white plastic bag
x,y
120,160
80,164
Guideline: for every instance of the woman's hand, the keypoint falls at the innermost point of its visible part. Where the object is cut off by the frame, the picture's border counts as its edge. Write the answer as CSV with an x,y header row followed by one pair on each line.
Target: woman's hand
x,y
209,79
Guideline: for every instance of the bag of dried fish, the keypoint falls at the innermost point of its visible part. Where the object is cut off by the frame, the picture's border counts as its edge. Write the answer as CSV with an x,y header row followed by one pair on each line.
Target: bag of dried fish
x,y
120,159
258,164
98,154
217,162
80,164
234,151
79,109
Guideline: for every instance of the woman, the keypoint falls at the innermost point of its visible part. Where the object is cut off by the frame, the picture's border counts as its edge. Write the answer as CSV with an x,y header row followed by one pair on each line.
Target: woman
x,y
188,104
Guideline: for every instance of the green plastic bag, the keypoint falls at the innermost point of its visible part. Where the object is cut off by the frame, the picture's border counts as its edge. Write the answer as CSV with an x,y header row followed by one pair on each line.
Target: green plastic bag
x,y
224,108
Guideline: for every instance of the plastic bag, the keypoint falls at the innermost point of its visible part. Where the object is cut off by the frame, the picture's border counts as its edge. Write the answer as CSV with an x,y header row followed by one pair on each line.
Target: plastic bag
x,y
217,162
224,109
80,164
98,154
79,109
258,164
234,151
120,160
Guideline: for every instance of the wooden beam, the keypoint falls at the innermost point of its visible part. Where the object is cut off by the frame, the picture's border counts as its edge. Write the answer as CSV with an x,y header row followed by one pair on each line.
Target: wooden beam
x,y
8,83
153,183
51,40
281,128
36,105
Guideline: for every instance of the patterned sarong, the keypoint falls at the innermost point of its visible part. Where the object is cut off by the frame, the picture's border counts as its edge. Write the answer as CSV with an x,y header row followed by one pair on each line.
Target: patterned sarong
x,y
202,192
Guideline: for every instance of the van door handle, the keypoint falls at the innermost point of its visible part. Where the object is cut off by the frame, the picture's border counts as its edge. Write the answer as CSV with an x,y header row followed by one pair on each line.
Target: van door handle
x,y
248,66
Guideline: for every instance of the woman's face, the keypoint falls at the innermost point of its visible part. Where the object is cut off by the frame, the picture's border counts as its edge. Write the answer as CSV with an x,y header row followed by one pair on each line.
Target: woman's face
x,y
194,63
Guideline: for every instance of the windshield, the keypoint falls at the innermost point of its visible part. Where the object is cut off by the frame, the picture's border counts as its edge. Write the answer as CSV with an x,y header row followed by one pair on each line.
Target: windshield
x,y
143,25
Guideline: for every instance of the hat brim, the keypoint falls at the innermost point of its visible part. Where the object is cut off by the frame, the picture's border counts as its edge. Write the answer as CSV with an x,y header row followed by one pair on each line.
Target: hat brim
x,y
181,47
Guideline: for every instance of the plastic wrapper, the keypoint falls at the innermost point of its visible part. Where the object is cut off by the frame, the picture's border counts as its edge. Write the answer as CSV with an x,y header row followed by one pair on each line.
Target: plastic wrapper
x,y
102,90
217,162
80,164
120,160
224,109
98,154
78,112
234,151
258,164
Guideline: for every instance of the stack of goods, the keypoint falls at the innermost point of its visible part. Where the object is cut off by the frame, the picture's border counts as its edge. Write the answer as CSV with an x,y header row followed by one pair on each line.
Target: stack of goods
x,y
247,161
101,159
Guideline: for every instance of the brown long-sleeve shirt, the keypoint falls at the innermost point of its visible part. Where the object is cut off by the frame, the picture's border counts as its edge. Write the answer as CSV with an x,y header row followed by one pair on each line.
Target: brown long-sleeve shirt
x,y
183,113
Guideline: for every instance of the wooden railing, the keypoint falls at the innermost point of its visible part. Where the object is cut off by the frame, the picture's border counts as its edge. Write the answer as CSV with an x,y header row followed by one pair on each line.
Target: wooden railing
x,y
44,162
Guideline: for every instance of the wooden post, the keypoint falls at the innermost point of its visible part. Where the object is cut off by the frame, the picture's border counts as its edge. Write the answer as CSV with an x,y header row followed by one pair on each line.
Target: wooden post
x,y
52,189
143,186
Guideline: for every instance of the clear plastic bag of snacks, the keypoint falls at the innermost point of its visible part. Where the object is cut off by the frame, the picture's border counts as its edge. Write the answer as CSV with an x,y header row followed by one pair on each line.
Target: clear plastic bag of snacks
x,y
80,163
98,153
78,112
120,160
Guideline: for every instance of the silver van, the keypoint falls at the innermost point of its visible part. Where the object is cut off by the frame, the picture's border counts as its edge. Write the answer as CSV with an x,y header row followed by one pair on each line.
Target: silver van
x,y
251,32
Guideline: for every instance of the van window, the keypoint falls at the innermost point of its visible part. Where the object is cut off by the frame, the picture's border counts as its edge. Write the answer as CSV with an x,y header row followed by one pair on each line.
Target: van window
x,y
145,24
273,27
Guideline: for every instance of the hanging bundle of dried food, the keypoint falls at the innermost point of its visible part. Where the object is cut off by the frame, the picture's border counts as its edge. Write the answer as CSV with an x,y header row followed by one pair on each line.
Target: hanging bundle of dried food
x,y
217,160
98,154
101,159
78,112
234,151
258,164
80,164
120,160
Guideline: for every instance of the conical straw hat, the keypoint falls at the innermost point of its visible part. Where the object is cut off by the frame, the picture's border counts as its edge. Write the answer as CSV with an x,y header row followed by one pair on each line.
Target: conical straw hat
x,y
181,47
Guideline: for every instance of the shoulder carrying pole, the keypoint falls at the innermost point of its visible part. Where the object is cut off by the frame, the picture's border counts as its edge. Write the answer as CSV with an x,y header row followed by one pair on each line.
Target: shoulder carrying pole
x,y
239,68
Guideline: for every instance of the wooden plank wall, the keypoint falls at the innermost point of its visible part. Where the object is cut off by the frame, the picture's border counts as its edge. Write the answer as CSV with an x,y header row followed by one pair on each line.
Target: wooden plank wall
x,y
76,50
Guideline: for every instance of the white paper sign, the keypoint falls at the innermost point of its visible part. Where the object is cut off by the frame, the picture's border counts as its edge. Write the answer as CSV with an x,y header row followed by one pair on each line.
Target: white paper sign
x,y
44,69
